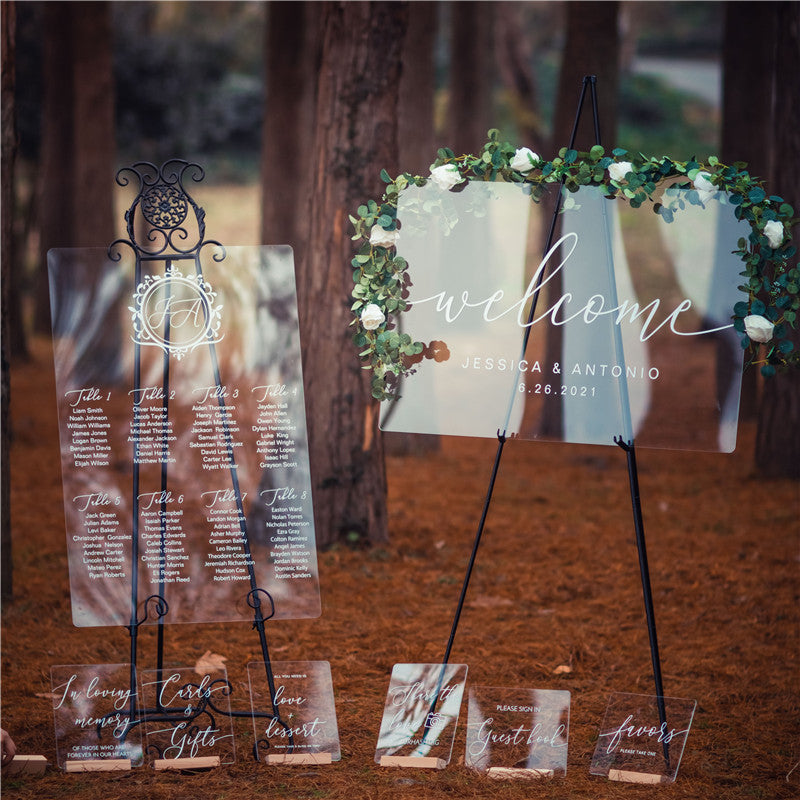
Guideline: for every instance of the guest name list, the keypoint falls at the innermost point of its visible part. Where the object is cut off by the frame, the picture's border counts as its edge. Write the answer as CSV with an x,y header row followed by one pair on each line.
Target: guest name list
x,y
202,443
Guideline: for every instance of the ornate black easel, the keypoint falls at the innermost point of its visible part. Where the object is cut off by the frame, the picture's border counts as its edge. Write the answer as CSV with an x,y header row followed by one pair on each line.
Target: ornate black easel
x,y
157,224
626,443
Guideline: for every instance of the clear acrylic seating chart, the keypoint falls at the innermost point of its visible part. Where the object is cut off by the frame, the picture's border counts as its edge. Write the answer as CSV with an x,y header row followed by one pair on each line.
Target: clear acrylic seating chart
x,y
631,335
196,546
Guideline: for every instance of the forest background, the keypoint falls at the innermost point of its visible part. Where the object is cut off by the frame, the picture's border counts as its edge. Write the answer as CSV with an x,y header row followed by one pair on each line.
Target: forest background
x,y
297,107
294,109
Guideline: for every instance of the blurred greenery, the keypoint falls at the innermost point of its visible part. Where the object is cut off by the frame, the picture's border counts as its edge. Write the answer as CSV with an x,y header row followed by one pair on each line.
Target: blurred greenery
x,y
688,29
654,118
657,120
189,80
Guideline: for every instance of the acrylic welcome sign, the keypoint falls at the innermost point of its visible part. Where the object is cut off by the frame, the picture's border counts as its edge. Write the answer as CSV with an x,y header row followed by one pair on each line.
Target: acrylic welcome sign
x,y
622,328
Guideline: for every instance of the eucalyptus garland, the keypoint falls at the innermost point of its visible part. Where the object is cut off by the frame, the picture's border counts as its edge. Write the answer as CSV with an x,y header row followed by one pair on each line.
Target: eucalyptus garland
x,y
771,278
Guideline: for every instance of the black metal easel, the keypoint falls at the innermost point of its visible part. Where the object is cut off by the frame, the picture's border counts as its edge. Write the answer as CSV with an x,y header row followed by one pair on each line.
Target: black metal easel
x,y
627,444
163,205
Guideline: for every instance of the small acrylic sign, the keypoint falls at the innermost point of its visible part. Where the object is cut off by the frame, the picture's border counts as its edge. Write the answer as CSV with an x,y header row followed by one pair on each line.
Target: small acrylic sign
x,y
187,716
642,738
92,706
420,715
304,729
515,732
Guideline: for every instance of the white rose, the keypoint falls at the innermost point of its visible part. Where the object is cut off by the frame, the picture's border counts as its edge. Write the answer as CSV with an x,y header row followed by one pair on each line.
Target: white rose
x,y
704,187
383,238
618,170
758,328
773,230
446,176
523,158
372,317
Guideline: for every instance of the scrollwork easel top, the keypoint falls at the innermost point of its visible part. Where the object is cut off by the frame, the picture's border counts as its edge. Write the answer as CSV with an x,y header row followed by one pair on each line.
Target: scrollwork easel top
x,y
164,221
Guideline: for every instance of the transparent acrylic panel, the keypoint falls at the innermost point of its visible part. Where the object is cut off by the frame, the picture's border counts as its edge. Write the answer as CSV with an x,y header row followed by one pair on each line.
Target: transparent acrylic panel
x,y
421,711
631,332
92,709
304,701
635,746
518,729
197,480
187,715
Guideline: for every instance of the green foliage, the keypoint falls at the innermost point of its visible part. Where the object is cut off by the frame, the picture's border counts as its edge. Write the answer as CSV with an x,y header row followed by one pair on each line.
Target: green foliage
x,y
772,280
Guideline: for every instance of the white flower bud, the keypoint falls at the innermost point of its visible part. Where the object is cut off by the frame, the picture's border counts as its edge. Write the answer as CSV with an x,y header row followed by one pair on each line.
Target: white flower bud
x,y
446,176
758,328
523,160
773,230
372,317
383,238
619,169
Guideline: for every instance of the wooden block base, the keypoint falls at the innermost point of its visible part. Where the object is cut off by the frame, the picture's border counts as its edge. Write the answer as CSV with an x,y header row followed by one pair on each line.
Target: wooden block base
x,y
98,765
298,758
26,765
201,762
420,762
634,777
518,773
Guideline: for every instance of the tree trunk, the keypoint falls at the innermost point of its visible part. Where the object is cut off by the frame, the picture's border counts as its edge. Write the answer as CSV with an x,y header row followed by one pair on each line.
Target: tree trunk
x,y
77,164
469,108
415,125
513,55
417,145
749,28
56,177
93,125
291,64
778,436
355,136
9,146
590,49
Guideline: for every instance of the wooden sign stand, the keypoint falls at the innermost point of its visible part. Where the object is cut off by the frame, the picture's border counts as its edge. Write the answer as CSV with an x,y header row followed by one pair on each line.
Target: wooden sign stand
x,y
98,765
518,773
302,759
421,762
180,764
26,765
626,776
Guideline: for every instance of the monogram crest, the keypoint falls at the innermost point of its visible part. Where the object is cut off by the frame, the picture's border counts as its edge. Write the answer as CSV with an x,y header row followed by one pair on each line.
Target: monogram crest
x,y
175,312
